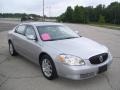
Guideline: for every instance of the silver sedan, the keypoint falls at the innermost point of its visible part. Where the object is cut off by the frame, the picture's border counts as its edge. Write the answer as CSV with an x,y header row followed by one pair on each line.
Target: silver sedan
x,y
58,50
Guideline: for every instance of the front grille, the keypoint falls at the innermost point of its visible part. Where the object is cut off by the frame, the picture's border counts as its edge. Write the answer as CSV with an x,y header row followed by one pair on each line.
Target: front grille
x,y
99,58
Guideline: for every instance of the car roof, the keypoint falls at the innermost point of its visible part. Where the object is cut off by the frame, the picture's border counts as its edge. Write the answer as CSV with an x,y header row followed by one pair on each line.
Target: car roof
x,y
42,23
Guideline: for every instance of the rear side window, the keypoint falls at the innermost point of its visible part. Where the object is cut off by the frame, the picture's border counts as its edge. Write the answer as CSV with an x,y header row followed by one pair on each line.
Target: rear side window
x,y
20,29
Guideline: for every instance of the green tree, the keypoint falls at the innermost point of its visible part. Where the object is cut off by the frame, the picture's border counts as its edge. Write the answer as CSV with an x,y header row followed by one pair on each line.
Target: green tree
x,y
78,15
61,18
113,13
101,14
98,11
101,19
68,15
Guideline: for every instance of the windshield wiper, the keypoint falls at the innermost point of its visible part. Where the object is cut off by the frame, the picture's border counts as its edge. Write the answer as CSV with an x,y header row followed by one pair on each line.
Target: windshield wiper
x,y
61,38
54,39
70,37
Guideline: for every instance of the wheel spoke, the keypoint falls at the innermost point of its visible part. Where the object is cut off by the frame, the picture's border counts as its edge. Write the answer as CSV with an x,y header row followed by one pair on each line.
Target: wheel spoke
x,y
11,48
47,68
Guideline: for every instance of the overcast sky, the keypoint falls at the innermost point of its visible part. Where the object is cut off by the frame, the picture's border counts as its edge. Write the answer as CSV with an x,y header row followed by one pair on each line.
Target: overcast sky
x,y
52,7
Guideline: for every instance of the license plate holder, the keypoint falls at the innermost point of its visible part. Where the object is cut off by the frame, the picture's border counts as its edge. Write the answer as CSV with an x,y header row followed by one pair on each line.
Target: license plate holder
x,y
102,69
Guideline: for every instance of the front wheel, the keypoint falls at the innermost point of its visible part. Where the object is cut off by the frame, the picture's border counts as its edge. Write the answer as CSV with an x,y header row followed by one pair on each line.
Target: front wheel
x,y
48,68
12,50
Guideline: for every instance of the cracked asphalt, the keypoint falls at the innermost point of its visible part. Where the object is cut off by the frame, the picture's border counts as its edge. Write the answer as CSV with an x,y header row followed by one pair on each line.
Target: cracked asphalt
x,y
18,73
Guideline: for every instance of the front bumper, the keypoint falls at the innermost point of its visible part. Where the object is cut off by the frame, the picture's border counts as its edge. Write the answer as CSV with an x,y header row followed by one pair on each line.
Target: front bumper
x,y
80,72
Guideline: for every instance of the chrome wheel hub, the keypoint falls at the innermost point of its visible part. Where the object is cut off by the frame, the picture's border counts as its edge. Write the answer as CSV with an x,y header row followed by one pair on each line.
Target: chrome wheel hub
x,y
11,48
47,67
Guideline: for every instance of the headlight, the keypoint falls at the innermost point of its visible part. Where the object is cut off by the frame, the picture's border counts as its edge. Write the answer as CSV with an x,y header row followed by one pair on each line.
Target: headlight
x,y
71,60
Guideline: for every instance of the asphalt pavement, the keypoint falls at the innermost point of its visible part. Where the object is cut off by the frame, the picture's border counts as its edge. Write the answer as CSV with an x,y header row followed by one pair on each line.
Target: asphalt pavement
x,y
18,73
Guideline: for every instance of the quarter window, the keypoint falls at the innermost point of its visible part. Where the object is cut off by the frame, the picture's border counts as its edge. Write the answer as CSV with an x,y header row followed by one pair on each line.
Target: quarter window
x,y
20,29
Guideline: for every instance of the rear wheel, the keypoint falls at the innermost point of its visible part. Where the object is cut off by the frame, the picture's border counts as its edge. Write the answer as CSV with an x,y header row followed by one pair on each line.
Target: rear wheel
x,y
12,50
48,68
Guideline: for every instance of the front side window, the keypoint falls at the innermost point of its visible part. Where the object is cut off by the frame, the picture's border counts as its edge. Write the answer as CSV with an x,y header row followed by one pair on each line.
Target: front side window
x,y
30,31
20,29
56,32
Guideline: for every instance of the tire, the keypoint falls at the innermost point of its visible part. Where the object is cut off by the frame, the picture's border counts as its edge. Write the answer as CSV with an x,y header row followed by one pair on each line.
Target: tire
x,y
48,67
12,49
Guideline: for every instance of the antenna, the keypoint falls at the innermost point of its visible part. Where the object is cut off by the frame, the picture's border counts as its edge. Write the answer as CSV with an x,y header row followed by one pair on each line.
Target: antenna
x,y
43,11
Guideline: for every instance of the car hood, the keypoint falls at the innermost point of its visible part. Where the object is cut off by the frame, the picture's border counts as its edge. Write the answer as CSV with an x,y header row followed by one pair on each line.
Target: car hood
x,y
81,47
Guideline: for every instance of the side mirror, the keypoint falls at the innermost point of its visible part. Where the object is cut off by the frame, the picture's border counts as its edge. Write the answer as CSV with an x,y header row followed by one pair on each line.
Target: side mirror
x,y
77,32
31,37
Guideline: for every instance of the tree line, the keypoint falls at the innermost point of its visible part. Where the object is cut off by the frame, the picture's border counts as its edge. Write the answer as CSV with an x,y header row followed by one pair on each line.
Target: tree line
x,y
16,15
100,13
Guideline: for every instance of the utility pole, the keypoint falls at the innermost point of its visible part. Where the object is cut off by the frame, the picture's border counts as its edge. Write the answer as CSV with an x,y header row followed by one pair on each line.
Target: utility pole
x,y
43,12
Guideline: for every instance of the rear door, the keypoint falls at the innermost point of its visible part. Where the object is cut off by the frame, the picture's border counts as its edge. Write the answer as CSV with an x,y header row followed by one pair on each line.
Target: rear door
x,y
18,38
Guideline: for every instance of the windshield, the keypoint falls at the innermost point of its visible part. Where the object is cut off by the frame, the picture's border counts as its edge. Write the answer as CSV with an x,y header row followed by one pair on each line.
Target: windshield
x,y
55,32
